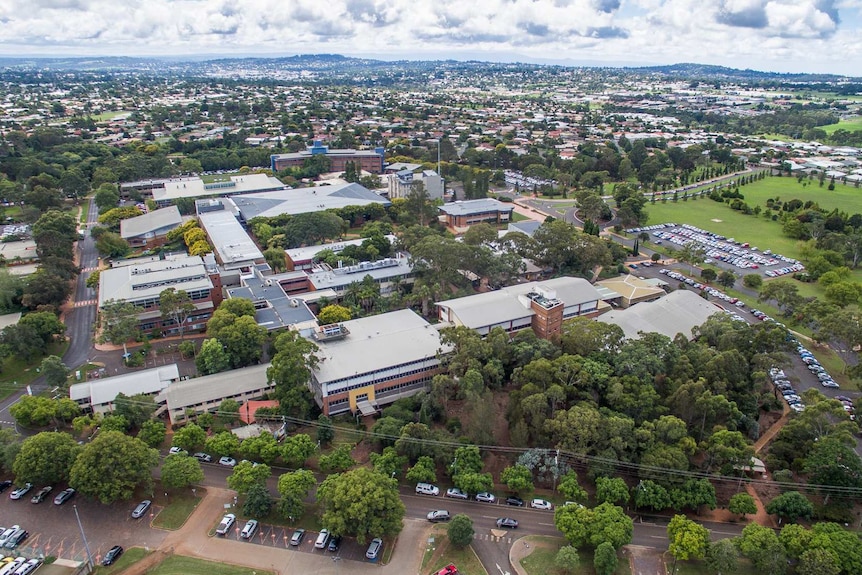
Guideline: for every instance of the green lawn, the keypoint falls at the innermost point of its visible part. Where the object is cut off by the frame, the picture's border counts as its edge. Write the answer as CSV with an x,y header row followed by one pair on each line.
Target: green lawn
x,y
541,560
179,507
699,568
129,556
16,373
107,116
213,178
849,125
179,565
516,217
464,559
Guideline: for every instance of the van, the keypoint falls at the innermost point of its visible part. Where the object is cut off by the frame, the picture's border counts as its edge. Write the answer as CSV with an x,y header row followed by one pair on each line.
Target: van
x,y
373,551
427,489
322,539
249,529
4,535
11,567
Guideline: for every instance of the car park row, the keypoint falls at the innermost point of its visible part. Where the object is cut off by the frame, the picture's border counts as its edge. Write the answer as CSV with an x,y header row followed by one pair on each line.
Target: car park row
x,y
700,286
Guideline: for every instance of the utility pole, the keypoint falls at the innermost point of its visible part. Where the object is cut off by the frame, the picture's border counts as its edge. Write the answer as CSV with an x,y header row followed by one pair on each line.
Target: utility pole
x,y
84,538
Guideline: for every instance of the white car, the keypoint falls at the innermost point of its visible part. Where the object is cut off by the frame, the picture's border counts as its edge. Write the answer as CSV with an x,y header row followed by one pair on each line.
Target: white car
x,y
456,493
486,497
228,461
541,504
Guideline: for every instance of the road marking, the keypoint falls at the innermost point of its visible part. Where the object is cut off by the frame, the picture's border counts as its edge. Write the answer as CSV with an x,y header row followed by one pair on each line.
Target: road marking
x,y
85,303
658,536
548,524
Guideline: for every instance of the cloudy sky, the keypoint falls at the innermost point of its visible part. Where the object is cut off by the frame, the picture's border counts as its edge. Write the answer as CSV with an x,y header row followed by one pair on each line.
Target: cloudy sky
x,y
779,35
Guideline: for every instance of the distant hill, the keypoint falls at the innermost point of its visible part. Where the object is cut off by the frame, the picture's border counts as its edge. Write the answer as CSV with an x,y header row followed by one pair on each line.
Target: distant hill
x,y
708,72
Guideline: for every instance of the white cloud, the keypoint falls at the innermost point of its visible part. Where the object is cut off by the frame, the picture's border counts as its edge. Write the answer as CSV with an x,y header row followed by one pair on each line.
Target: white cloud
x,y
783,34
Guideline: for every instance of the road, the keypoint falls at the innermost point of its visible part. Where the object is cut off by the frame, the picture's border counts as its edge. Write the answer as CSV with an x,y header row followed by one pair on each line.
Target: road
x,y
79,319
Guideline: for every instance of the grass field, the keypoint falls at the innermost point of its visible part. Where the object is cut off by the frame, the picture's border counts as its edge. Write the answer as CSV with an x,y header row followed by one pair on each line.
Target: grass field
x,y
213,178
699,568
541,560
849,125
129,556
179,565
175,514
107,116
439,554
16,373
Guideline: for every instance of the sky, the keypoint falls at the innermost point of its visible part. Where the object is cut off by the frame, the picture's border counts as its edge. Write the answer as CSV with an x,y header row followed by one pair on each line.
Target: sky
x,y
770,35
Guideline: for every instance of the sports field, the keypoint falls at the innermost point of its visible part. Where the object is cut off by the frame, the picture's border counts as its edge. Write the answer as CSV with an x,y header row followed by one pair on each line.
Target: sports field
x,y
849,125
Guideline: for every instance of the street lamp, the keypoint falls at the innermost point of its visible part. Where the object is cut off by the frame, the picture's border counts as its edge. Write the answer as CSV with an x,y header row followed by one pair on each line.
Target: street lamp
x,y
84,538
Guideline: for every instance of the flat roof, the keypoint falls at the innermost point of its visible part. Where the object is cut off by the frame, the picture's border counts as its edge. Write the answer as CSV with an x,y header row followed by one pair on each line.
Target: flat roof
x,y
182,394
147,279
503,305
375,343
481,206
196,188
282,310
106,390
9,319
168,217
230,240
304,200
378,270
677,312
307,253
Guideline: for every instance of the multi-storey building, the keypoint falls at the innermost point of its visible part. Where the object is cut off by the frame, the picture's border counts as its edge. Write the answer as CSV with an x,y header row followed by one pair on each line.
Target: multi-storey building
x,y
366,160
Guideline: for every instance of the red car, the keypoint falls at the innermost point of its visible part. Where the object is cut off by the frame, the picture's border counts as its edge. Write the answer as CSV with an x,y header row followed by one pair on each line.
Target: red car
x,y
448,570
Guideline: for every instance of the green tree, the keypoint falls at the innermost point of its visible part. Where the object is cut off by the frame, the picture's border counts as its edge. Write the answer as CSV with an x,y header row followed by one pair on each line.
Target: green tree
x,y
708,275
585,527
54,233
152,433
567,560
263,448
333,314
722,557
176,307
46,458
389,462
114,423
189,437
752,281
571,488
293,488
833,462
228,410
258,502
180,471
519,479
650,494
137,409
119,323
605,559
742,504
325,430
223,443
246,474
761,545
686,539
212,357
818,561
111,245
337,460
54,371
113,466
423,472
11,291
106,197
727,279
361,503
296,449
460,531
612,490
791,506
36,411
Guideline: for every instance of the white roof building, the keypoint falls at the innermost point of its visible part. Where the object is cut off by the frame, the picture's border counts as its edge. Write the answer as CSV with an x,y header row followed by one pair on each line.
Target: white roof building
x,y
677,312
196,188
98,395
233,246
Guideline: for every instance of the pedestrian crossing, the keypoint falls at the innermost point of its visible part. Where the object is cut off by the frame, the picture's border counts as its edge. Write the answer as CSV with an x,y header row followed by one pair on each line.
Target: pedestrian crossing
x,y
85,303
90,269
488,537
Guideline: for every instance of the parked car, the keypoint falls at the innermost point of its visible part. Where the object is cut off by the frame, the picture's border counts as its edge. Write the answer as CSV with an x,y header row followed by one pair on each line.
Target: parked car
x,y
4,485
112,555
541,504
226,523
373,551
28,567
507,522
40,495
20,491
427,489
64,496
227,461
249,529
486,497
16,538
334,544
141,509
177,451
322,539
203,457
514,500
297,537
439,515
456,493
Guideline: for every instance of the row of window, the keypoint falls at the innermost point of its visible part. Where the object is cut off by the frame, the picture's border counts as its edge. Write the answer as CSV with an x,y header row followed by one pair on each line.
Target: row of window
x,y
395,372
341,405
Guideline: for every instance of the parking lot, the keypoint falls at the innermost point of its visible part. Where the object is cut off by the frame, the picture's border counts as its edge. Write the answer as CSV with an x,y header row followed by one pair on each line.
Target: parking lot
x,y
276,536
54,531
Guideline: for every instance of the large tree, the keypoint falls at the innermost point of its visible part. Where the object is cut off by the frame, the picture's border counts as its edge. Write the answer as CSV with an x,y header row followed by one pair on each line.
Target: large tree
x,y
176,307
585,527
291,369
180,470
293,487
361,503
246,474
46,458
686,539
460,530
119,323
113,466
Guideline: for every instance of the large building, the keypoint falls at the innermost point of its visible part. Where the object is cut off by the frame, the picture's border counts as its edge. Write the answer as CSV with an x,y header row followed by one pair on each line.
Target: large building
x,y
541,306
197,188
150,229
233,247
98,396
385,273
304,258
461,215
140,282
273,307
303,200
370,362
402,182
627,290
366,160
677,312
